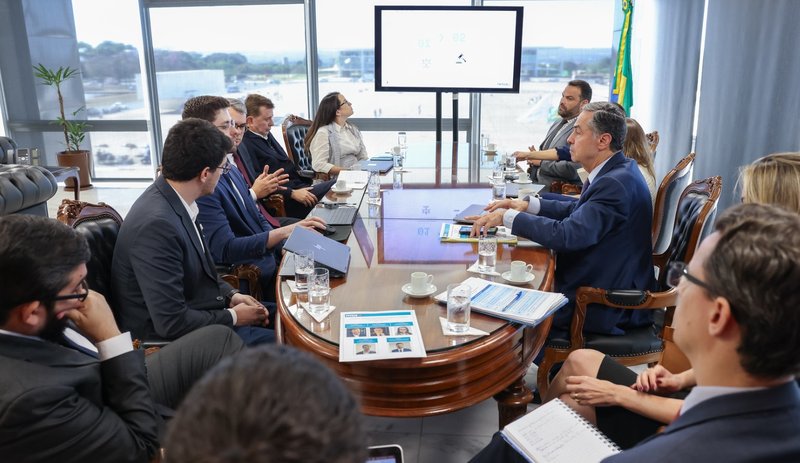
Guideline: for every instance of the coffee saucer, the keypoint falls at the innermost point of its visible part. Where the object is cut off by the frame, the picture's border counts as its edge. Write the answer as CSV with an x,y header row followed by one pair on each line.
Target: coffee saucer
x,y
529,276
523,181
341,191
407,289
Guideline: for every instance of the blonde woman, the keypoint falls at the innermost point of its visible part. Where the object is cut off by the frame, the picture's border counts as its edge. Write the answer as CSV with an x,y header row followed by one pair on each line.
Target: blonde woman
x,y
637,148
773,179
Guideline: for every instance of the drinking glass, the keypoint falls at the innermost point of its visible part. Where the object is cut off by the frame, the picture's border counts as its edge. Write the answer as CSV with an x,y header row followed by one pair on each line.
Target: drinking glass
x,y
303,268
487,253
498,188
373,188
458,307
319,291
402,140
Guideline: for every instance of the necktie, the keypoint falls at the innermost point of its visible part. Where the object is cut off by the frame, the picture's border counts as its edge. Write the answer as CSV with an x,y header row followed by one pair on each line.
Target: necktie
x,y
585,186
240,165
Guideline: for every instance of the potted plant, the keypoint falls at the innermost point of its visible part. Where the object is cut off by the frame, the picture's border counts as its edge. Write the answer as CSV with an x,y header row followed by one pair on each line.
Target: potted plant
x,y
74,131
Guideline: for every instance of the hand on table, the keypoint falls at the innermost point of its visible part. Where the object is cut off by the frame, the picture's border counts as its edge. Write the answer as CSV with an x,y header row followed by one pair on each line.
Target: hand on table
x,y
484,222
516,204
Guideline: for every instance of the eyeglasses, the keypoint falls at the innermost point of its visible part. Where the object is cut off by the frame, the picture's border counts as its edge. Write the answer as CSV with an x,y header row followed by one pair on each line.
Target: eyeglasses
x,y
241,127
227,126
677,270
225,167
345,102
80,296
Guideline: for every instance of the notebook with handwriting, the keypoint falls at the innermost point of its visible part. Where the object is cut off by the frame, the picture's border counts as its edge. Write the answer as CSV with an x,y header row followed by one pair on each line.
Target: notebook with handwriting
x,y
555,433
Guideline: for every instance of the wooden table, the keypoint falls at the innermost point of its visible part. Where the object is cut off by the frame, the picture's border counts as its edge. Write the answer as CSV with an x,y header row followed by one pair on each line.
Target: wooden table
x,y
388,243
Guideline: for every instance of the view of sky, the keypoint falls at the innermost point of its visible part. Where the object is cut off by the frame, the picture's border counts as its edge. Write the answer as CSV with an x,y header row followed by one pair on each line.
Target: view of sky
x,y
342,24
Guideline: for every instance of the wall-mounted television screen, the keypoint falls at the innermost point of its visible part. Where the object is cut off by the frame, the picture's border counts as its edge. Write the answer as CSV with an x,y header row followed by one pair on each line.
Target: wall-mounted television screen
x,y
447,48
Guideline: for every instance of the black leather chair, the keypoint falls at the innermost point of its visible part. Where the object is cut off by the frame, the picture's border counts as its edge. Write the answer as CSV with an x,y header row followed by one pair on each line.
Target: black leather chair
x,y
695,212
294,130
25,189
8,150
669,192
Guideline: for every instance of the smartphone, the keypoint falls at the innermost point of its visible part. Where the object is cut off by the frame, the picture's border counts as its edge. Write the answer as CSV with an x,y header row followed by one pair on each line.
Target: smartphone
x,y
467,230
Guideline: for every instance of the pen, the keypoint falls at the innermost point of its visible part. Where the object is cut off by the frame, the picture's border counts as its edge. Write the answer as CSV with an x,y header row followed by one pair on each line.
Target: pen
x,y
516,298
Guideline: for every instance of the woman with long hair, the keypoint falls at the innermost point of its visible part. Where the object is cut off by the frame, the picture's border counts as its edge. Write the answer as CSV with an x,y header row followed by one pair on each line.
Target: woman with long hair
x,y
333,143
637,148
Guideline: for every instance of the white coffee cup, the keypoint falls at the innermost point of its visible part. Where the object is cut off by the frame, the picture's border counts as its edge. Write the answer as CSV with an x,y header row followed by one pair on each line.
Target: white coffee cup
x,y
341,184
491,147
520,270
396,150
420,281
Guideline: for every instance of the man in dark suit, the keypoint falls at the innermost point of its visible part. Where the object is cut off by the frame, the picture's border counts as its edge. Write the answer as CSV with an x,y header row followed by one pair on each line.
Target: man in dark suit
x,y
299,196
163,276
72,387
400,347
602,240
575,96
236,231
737,322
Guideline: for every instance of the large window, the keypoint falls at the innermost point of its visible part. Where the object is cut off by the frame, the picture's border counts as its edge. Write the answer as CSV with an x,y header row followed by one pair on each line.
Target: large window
x,y
562,40
230,51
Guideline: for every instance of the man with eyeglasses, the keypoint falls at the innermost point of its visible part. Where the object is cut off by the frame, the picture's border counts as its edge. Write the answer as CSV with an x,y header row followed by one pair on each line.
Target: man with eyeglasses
x,y
72,387
164,281
603,240
236,232
300,194
737,321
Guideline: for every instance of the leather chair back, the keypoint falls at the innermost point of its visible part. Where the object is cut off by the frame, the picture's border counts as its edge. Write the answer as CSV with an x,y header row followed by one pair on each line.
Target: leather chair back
x,y
25,189
666,205
99,224
294,130
696,212
8,150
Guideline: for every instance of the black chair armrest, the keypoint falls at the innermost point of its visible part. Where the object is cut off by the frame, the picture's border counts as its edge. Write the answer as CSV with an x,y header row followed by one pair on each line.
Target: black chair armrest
x,y
626,297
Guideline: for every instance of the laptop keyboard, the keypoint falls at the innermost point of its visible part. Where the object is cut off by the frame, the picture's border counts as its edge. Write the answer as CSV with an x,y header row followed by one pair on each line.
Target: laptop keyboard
x,y
336,216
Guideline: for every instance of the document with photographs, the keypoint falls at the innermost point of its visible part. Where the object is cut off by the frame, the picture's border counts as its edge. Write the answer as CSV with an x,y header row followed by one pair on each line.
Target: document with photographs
x,y
379,335
526,306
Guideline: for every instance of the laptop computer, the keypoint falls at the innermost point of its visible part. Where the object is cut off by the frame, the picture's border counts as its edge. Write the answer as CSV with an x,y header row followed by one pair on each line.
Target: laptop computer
x,y
513,188
474,209
335,213
382,166
327,252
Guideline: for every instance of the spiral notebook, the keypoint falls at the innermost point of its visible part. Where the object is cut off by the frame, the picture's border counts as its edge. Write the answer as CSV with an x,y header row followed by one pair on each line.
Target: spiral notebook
x,y
555,433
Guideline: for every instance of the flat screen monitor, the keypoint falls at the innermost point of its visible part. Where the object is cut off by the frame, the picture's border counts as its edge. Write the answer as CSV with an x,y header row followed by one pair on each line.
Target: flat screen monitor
x,y
447,49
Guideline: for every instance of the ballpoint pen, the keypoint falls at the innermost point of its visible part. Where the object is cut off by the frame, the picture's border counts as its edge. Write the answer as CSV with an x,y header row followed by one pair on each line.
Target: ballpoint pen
x,y
510,303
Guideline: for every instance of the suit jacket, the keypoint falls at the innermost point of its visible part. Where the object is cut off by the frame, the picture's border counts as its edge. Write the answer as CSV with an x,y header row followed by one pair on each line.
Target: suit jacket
x,y
163,282
563,170
248,161
757,426
269,152
602,240
58,404
236,231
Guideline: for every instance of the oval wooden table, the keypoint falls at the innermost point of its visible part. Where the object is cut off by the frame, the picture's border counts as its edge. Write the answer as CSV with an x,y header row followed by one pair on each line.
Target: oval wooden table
x,y
459,371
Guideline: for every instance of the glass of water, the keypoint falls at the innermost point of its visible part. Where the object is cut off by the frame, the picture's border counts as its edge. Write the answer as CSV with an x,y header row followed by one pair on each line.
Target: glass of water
x,y
319,291
303,268
458,307
498,188
402,140
373,188
487,253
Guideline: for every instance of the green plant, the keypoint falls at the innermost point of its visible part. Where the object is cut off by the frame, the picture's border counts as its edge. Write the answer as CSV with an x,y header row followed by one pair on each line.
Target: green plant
x,y
74,131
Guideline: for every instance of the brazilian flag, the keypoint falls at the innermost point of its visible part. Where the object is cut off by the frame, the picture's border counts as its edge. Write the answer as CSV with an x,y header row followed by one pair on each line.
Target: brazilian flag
x,y
622,92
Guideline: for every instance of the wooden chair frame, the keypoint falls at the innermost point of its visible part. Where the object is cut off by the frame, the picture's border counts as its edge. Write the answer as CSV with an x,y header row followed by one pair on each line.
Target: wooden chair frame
x,y
683,169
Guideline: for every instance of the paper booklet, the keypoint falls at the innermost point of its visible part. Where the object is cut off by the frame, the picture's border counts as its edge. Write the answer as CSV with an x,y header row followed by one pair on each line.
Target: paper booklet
x,y
451,233
521,305
379,335
555,433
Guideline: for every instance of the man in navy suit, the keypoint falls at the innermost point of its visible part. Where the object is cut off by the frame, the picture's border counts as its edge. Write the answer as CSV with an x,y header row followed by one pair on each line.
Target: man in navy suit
x,y
163,278
602,240
737,322
300,195
236,231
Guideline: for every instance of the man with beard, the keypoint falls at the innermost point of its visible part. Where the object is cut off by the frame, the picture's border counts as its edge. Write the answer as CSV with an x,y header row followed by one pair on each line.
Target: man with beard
x,y
575,96
72,387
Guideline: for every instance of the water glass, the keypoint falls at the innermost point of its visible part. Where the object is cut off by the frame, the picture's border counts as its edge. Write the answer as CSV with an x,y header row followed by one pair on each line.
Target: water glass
x,y
458,307
303,268
487,253
397,160
498,189
484,142
397,180
402,140
319,291
373,188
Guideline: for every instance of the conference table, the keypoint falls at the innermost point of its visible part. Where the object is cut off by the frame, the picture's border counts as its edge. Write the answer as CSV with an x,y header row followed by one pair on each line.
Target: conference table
x,y
388,242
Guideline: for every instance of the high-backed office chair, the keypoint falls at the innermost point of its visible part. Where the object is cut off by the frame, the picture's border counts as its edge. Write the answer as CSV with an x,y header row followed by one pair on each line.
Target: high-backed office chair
x,y
294,130
100,224
25,189
669,192
696,208
652,139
